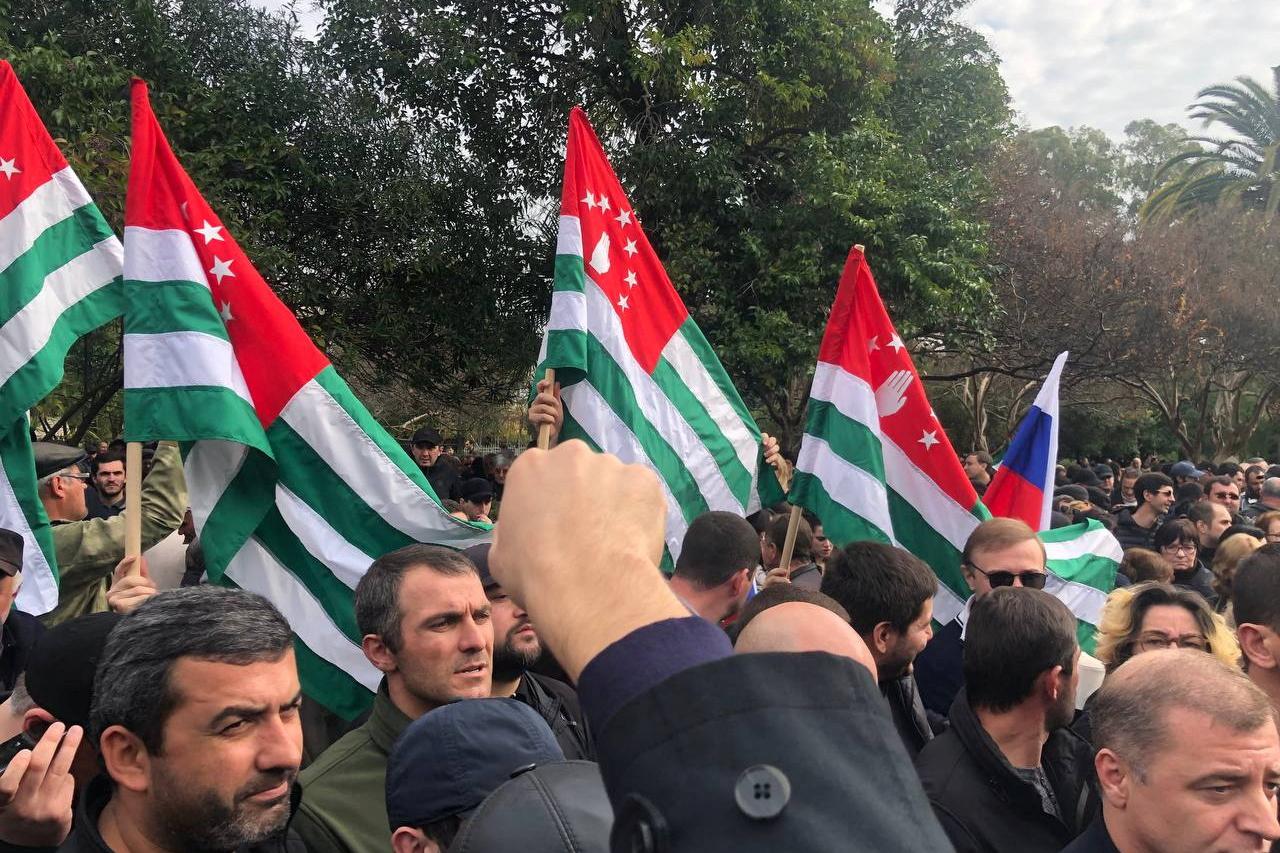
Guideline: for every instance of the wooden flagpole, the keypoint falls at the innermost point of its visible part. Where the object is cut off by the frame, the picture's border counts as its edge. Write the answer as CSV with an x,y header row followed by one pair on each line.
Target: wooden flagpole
x,y
133,503
544,431
793,523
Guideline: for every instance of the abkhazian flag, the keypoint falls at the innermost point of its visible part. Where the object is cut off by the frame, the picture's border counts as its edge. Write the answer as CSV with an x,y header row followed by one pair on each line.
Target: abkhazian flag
x,y
295,488
1023,484
876,464
638,378
60,274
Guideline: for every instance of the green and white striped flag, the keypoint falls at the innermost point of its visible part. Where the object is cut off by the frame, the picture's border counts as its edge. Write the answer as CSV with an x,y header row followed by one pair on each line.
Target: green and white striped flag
x,y
876,464
295,488
639,379
60,267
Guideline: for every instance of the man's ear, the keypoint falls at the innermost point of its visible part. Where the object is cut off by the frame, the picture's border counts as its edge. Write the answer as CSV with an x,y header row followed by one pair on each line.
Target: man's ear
x,y
968,576
1114,777
739,582
882,637
57,486
126,759
35,722
1253,643
406,839
1050,684
375,649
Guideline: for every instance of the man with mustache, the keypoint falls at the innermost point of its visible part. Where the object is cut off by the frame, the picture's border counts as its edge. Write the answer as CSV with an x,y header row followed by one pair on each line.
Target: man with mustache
x,y
426,625
516,647
197,729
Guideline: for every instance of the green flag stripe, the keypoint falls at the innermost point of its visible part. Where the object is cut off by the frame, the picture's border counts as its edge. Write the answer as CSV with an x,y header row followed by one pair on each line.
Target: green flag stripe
x,y
706,429
55,247
31,382
339,692
851,440
235,512
697,342
171,306
840,523
569,274
182,413
611,383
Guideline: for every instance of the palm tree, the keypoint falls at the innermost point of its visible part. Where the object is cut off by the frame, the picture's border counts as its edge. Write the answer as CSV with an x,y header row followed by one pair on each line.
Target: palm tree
x,y
1239,169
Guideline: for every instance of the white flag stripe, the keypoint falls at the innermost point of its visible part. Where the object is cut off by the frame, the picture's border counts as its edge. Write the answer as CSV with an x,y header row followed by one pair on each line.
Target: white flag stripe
x,y
569,237
357,460
1047,401
568,309
182,359
946,604
255,569
39,591
693,373
28,330
846,484
49,204
938,509
347,562
656,407
850,394
210,467
601,423
1085,601
1100,542
161,255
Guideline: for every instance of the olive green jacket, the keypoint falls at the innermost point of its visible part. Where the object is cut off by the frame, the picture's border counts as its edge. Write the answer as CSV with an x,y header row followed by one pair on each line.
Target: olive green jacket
x,y
88,551
344,806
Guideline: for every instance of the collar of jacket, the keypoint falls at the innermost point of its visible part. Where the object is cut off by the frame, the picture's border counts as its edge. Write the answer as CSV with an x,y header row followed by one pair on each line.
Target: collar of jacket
x,y
386,721
1055,758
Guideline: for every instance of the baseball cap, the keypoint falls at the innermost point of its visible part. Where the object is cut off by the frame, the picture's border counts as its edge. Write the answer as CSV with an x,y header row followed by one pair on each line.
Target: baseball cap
x,y
427,435
552,808
10,552
63,663
1185,469
477,489
449,759
479,554
52,457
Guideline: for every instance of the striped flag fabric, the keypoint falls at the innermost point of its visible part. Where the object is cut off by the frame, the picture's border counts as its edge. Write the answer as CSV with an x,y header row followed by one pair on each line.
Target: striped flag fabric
x,y
295,488
1082,561
874,461
638,378
1023,484
60,277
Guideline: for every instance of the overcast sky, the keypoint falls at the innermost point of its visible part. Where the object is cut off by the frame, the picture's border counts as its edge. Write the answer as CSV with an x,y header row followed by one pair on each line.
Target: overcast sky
x,y
1106,62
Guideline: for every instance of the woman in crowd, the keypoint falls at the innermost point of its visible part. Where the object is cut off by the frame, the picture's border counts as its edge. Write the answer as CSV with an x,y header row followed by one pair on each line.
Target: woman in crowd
x,y
1225,561
1269,522
1151,616
1178,541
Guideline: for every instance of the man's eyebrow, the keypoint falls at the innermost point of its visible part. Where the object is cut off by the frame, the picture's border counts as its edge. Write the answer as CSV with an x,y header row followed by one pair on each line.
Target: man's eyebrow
x,y
1232,776
250,712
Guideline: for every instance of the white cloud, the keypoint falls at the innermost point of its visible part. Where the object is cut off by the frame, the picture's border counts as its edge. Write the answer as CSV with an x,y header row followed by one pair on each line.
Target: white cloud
x,y
1105,63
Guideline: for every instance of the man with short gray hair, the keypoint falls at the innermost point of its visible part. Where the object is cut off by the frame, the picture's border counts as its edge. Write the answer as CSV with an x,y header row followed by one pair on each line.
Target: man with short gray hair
x,y
1268,499
195,712
425,622
1188,758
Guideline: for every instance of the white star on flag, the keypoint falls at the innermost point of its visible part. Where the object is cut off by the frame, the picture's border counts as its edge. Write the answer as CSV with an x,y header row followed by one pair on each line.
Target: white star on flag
x,y
209,232
872,346
604,203
9,167
896,343
623,218
221,269
630,248
622,303
630,278
590,200
225,312
929,439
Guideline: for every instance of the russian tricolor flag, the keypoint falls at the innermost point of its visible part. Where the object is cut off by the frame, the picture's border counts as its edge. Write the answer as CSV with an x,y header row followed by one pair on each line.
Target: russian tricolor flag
x,y
1023,484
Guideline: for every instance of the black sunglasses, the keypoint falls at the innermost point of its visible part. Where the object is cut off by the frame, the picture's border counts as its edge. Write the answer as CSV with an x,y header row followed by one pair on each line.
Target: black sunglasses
x,y
1031,580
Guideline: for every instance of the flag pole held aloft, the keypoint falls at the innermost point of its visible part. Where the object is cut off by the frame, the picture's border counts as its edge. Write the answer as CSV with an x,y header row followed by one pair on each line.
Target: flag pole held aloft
x,y
544,430
133,503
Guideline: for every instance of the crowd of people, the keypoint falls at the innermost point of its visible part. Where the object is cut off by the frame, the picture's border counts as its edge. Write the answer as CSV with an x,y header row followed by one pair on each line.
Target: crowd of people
x,y
555,691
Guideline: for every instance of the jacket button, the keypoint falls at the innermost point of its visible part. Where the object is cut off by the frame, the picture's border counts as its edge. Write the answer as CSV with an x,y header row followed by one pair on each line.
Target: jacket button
x,y
762,792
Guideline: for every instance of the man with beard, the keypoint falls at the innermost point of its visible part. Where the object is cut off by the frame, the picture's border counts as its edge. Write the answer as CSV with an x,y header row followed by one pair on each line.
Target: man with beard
x,y
425,624
107,499
516,647
198,729
1008,775
888,593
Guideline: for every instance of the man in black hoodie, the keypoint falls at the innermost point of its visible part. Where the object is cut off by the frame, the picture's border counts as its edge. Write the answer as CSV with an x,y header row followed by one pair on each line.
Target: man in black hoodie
x,y
1137,528
1008,775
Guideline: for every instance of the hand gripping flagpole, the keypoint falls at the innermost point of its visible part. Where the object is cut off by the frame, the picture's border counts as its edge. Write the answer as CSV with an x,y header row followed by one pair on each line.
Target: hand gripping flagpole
x,y
133,503
544,430
793,523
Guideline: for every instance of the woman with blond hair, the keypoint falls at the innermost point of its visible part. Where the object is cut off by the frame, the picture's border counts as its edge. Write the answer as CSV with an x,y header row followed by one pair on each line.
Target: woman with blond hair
x,y
1150,616
1225,561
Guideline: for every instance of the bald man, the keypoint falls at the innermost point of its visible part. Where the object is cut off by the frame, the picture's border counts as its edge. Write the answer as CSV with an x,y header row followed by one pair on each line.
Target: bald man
x,y
1188,758
797,626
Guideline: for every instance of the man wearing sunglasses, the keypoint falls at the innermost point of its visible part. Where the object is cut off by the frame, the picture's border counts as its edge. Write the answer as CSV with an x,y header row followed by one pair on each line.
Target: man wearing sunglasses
x,y
999,552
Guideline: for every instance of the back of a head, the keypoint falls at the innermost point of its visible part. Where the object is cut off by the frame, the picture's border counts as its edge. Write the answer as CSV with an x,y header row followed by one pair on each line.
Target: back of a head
x,y
1188,493
1271,488
210,623
1204,512
772,596
878,583
1012,636
556,808
1129,713
799,627
777,535
61,668
1141,564
717,546
1255,592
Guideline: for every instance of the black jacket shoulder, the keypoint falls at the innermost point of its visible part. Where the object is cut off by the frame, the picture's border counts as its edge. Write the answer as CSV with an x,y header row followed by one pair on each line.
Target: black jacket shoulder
x,y
557,703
